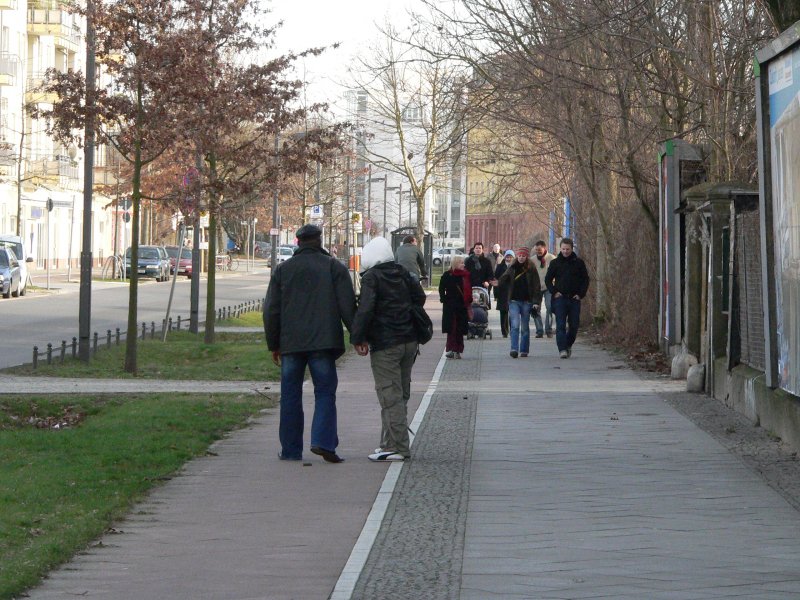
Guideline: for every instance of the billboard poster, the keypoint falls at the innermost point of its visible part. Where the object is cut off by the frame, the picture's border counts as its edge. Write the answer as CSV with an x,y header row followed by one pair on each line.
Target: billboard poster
x,y
784,113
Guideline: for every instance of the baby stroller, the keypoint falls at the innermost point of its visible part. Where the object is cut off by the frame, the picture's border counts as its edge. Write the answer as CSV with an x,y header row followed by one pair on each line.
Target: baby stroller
x,y
478,326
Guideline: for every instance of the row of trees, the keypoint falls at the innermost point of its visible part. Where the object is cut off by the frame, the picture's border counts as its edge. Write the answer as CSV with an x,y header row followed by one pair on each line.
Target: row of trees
x,y
580,95
186,86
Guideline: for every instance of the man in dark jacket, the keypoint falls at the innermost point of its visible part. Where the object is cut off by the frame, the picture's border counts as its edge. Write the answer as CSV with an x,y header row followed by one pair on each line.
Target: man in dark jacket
x,y
480,268
568,281
383,327
409,256
309,297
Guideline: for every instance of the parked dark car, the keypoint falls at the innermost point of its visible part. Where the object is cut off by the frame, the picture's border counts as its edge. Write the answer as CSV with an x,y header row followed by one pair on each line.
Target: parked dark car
x,y
185,264
153,262
10,274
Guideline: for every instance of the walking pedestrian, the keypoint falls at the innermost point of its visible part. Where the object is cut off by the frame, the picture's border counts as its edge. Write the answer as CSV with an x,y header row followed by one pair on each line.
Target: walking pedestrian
x,y
568,281
501,291
308,298
409,256
496,256
383,329
542,259
480,268
524,293
455,293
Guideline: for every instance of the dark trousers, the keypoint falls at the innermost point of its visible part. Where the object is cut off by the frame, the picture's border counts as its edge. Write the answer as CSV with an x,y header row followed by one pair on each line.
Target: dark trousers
x,y
504,322
455,340
568,319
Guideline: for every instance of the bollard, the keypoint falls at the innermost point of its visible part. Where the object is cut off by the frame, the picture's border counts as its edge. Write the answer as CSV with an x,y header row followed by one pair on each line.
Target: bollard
x,y
94,343
108,338
169,327
163,325
144,331
35,356
49,353
179,322
152,330
117,336
74,347
63,350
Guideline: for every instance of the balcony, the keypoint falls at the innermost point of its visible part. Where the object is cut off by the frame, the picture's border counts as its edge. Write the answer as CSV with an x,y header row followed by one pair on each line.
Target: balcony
x,y
9,67
33,92
54,19
52,169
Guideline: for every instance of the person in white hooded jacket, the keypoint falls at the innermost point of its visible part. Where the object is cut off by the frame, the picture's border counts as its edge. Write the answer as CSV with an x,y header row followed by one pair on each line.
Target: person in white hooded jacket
x,y
383,327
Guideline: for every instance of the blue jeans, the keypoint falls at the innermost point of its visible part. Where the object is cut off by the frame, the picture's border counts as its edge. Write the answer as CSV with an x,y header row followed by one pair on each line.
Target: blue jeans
x,y
568,319
519,317
322,365
548,319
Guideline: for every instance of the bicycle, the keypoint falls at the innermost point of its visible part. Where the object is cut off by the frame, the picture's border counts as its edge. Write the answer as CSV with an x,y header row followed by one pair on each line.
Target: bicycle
x,y
232,262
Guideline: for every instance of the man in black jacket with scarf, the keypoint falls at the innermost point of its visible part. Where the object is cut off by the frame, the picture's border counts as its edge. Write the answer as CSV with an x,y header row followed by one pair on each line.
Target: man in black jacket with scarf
x,y
309,297
568,281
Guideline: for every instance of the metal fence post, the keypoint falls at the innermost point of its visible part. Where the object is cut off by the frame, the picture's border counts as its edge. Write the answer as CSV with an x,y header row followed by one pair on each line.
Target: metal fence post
x,y
94,343
63,350
49,353
152,330
144,331
74,347
35,357
179,322
117,336
108,338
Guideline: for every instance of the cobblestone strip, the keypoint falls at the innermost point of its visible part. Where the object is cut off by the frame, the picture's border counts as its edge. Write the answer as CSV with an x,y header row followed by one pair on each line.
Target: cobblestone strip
x,y
418,551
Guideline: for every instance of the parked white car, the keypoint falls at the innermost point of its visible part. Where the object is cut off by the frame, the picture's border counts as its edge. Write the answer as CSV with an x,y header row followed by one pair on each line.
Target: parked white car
x,y
445,255
18,247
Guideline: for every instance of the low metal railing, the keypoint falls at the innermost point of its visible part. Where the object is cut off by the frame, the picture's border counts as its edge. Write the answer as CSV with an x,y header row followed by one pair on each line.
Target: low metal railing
x,y
58,354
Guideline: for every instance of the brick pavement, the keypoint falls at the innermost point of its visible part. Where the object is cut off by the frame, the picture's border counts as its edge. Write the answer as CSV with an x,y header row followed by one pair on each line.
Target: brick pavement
x,y
533,478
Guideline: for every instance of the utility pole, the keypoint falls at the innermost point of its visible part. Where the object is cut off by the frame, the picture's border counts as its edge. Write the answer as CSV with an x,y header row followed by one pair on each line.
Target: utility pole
x,y
273,238
85,299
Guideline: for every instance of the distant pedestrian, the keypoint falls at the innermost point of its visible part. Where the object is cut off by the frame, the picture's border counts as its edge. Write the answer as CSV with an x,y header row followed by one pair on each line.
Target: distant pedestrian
x,y
455,293
524,293
308,299
501,291
568,281
383,328
409,256
542,259
496,256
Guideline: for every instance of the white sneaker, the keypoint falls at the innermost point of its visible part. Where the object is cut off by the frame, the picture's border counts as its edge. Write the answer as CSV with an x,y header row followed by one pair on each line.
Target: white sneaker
x,y
564,354
386,455
450,354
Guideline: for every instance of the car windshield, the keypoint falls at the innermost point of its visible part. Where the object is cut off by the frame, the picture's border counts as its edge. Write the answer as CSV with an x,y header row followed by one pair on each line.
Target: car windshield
x,y
287,251
186,253
3,259
173,252
148,253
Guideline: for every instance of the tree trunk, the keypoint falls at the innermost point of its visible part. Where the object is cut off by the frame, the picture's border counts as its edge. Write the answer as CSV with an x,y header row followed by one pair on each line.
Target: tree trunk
x,y
133,281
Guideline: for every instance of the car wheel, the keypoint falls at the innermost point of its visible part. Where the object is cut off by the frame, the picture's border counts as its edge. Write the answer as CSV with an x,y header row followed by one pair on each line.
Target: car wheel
x,y
15,293
23,291
437,261
8,293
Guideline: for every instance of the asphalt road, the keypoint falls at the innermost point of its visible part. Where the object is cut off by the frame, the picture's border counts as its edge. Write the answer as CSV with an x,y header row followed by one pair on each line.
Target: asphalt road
x,y
50,316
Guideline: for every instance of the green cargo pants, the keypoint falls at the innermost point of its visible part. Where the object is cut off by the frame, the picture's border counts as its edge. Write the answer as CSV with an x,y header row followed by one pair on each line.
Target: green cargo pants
x,y
391,369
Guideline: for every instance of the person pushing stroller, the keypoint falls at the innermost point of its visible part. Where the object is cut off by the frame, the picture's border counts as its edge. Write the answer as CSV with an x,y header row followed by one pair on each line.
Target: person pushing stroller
x,y
478,325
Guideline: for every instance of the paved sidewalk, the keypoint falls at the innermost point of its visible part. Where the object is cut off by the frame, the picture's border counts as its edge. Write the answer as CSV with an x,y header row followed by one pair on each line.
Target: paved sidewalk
x,y
533,478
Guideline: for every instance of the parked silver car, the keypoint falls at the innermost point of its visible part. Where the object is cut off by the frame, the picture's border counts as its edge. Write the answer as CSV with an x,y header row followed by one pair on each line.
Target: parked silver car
x,y
10,274
445,255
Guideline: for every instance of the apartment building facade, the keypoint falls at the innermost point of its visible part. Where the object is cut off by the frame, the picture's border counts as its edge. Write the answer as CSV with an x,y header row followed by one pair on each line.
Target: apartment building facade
x,y
41,181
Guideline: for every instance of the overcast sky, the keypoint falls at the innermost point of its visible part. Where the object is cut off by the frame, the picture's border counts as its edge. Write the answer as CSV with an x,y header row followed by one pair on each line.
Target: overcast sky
x,y
310,23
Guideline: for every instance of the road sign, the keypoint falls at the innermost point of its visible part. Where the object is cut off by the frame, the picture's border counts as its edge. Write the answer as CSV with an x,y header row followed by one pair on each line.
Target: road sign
x,y
274,231
317,211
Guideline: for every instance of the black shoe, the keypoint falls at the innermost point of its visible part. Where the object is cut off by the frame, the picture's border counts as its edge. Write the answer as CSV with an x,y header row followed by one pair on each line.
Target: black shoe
x,y
328,455
282,457
514,354
538,335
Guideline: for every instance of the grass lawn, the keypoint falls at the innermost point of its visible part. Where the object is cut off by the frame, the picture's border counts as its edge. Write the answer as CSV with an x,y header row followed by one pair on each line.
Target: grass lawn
x,y
233,356
71,465
253,318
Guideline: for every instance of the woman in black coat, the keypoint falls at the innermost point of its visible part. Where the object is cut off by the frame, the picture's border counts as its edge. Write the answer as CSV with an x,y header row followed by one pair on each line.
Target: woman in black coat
x,y
455,293
501,291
